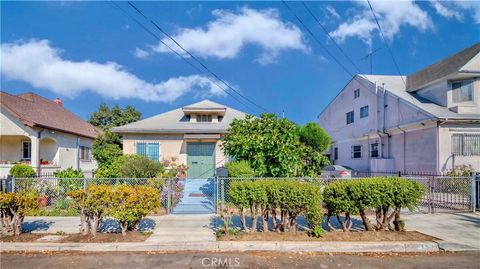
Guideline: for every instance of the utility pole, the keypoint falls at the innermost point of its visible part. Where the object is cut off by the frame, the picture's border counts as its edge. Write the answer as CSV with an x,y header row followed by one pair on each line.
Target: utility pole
x,y
370,56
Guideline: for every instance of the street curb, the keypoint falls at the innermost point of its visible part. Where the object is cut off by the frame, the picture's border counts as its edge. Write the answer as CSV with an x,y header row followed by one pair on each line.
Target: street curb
x,y
229,246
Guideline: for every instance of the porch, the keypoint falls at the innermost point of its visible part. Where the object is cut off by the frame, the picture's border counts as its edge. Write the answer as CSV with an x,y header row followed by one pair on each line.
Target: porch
x,y
40,153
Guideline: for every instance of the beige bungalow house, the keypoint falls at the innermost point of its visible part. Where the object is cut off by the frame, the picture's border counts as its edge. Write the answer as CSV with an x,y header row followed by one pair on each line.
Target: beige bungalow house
x,y
190,134
43,134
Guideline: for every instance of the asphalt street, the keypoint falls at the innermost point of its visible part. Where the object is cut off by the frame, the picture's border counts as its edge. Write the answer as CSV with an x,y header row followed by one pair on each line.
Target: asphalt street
x,y
180,260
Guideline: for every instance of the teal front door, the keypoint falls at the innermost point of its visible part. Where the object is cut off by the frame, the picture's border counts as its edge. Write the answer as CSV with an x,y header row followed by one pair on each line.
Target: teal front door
x,y
200,159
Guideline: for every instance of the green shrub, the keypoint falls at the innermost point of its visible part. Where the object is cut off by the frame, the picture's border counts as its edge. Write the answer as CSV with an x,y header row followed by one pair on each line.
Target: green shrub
x,y
69,179
125,203
239,169
21,170
13,208
268,197
381,194
69,173
92,205
130,166
131,204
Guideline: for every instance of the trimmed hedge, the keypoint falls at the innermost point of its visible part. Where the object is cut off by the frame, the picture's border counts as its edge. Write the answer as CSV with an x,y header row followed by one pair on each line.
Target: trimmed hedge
x,y
267,198
125,203
13,207
386,196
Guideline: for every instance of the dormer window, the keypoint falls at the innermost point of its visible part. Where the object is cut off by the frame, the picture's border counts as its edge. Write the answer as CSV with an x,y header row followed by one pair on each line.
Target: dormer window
x,y
204,118
462,91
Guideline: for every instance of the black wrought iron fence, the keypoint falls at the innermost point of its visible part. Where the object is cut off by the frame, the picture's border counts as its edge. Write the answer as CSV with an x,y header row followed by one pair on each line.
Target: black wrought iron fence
x,y
444,193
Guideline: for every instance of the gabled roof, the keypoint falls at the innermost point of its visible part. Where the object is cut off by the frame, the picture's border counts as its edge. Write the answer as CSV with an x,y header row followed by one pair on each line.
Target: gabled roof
x,y
445,67
395,86
34,110
175,121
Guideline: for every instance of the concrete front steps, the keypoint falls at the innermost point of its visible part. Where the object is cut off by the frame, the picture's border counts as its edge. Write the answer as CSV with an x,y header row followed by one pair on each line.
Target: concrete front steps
x,y
183,229
198,197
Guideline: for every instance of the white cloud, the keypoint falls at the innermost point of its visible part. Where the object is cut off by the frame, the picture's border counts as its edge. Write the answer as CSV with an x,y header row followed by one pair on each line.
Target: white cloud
x,y
445,11
457,9
140,53
332,12
229,32
391,16
42,66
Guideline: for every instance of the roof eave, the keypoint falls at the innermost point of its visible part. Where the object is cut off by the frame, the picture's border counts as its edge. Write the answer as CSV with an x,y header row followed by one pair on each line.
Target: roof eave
x,y
167,131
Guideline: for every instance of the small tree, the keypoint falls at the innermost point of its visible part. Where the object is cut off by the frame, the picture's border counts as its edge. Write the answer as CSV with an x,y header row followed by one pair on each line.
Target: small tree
x,y
13,207
131,204
21,170
269,144
92,206
239,169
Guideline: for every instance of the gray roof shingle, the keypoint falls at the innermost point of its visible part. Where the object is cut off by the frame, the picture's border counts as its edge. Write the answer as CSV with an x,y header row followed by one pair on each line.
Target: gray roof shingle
x,y
175,121
395,86
442,68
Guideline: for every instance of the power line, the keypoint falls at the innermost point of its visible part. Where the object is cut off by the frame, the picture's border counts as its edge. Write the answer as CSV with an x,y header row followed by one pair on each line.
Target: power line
x,y
174,51
386,43
330,37
316,39
324,47
195,58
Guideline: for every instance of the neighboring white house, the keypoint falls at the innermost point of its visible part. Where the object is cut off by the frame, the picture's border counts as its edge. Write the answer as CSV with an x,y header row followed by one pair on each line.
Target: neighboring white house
x,y
427,121
190,134
43,134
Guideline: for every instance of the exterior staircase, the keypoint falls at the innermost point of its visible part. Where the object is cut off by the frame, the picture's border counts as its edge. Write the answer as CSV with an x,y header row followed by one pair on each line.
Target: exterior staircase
x,y
199,197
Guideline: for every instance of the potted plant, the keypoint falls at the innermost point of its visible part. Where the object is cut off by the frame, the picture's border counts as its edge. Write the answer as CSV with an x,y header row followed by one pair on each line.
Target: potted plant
x,y
182,171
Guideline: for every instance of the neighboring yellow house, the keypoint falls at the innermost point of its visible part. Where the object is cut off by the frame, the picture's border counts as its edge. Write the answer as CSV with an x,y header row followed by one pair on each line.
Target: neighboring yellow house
x,y
190,134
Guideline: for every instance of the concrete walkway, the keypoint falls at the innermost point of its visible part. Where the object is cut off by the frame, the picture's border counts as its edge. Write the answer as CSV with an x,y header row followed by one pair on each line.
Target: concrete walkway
x,y
458,228
198,197
167,228
183,229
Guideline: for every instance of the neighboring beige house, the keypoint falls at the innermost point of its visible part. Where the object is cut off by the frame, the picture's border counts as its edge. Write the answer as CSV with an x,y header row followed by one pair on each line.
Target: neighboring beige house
x,y
190,134
427,121
43,134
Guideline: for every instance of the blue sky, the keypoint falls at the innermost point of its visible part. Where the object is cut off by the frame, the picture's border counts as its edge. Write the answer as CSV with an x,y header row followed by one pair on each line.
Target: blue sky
x,y
90,52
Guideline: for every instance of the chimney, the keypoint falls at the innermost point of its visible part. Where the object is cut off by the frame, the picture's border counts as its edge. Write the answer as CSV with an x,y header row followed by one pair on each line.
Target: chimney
x,y
58,101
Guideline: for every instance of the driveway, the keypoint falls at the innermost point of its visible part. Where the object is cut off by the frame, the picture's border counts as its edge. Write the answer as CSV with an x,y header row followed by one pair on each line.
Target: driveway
x,y
460,228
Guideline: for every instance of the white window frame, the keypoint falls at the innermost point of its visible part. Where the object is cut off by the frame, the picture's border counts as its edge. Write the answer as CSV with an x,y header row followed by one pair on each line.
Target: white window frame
x,y
29,143
146,148
371,150
353,151
463,83
363,108
204,118
356,93
82,154
352,118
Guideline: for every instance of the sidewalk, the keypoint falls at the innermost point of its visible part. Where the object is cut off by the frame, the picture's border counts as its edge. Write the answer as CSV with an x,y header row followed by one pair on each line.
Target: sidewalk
x,y
183,229
457,231
232,246
453,228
